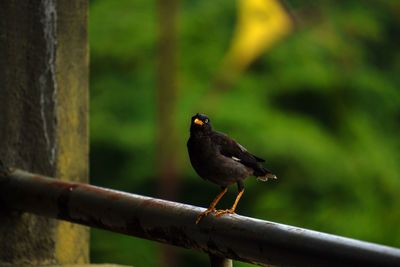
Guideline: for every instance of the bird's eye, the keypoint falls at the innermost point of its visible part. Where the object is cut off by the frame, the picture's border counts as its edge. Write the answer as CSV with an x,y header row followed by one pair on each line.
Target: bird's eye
x,y
206,120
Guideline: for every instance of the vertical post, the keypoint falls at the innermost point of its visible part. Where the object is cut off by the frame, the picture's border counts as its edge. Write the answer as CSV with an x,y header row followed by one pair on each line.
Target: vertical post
x,y
167,169
43,118
217,261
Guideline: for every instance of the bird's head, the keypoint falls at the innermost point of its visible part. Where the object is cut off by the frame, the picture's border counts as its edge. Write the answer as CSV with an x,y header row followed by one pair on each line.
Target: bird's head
x,y
200,123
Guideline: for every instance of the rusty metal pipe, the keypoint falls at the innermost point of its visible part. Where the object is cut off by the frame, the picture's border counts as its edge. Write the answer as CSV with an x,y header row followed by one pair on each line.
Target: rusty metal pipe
x,y
232,236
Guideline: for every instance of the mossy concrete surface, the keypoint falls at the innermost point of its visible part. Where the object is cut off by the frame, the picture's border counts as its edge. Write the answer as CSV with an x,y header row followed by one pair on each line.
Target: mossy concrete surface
x,y
43,118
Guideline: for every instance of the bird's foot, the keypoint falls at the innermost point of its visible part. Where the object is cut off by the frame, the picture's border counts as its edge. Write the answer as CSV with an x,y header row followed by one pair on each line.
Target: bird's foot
x,y
204,214
219,213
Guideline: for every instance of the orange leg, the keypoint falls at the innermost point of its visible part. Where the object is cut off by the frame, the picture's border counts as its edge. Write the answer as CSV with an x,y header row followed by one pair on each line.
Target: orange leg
x,y
211,208
231,210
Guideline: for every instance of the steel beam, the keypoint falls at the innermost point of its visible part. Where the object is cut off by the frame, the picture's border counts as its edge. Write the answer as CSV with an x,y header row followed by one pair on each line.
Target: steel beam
x,y
232,236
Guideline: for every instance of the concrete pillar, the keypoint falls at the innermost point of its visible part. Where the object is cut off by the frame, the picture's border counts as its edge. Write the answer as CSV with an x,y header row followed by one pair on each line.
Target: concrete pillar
x,y
43,120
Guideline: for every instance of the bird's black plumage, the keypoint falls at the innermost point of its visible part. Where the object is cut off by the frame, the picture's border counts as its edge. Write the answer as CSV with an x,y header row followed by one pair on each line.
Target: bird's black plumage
x,y
220,159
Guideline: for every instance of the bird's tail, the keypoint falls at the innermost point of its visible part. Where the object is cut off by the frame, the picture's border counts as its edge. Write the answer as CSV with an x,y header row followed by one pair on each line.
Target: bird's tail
x,y
265,175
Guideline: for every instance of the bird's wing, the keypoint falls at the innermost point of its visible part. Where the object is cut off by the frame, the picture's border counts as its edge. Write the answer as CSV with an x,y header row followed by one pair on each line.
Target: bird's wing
x,y
232,149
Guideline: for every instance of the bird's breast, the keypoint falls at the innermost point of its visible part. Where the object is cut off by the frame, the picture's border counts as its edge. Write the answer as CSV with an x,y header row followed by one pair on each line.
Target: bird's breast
x,y
211,165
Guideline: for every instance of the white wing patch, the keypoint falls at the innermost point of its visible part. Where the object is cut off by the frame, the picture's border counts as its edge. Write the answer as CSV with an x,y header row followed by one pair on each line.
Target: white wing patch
x,y
235,158
242,147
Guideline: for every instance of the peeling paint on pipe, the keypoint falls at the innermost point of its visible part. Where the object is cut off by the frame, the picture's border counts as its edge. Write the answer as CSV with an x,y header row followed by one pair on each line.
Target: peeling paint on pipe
x,y
232,236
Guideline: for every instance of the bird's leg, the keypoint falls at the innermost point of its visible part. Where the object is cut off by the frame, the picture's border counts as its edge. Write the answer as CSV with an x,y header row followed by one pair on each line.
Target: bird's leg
x,y
233,208
214,203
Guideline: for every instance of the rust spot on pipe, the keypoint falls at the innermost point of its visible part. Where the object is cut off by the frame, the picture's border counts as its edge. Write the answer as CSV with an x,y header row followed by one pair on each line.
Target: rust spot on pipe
x,y
114,197
154,203
37,178
109,194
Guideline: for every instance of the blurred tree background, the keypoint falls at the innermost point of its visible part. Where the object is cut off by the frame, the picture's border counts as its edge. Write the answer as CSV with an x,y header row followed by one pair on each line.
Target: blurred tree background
x,y
322,106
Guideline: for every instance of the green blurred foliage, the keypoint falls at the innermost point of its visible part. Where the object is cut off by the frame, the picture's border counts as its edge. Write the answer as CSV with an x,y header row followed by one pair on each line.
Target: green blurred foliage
x,y
323,106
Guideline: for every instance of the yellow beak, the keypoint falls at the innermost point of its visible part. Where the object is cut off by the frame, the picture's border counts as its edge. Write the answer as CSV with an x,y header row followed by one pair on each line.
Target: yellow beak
x,y
198,122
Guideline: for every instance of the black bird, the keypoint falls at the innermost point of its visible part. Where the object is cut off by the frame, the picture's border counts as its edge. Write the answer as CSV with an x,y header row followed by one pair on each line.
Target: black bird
x,y
221,160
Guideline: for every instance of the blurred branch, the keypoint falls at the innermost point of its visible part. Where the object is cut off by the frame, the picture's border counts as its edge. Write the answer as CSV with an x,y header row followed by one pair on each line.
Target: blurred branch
x,y
167,97
233,236
166,108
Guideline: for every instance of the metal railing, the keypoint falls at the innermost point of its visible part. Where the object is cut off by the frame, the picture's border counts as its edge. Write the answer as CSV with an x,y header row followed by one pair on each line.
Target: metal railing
x,y
228,237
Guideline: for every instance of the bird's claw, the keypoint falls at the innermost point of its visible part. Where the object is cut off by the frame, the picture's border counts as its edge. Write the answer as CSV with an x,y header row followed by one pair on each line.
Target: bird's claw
x,y
204,214
219,213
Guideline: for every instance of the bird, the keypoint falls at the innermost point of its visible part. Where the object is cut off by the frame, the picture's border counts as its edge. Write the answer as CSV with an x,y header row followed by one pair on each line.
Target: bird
x,y
221,160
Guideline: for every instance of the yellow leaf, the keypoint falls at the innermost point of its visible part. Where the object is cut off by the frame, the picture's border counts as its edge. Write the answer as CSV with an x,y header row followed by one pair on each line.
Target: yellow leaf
x,y
261,23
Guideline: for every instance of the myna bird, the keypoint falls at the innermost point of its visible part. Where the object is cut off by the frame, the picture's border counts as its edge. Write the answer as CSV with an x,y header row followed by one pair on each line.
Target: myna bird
x,y
219,159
